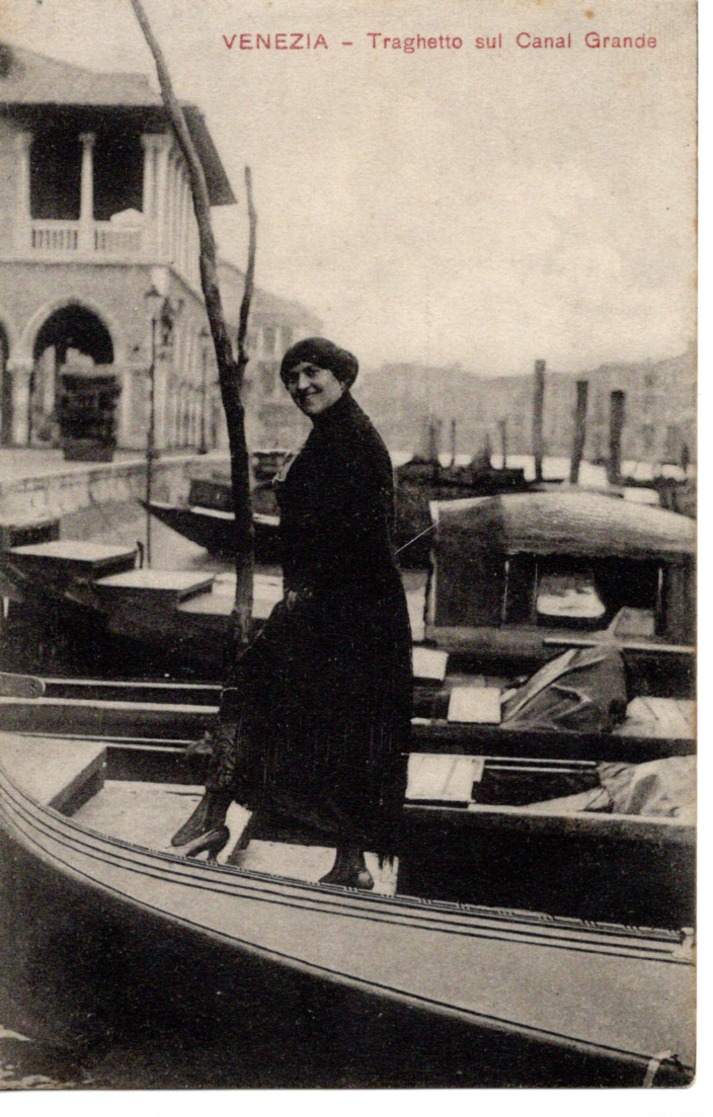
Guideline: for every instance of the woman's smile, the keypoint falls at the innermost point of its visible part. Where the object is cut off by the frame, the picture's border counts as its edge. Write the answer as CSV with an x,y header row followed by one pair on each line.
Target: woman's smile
x,y
314,389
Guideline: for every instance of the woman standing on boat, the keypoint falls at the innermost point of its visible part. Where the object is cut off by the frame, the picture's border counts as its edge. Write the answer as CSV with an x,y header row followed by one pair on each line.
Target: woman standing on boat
x,y
316,717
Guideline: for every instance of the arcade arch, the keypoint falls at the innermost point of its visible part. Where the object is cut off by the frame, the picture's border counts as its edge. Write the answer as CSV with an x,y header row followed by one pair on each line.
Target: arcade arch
x,y
72,335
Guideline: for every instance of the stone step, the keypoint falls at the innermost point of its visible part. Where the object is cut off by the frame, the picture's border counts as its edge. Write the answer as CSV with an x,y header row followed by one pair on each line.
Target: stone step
x,y
164,586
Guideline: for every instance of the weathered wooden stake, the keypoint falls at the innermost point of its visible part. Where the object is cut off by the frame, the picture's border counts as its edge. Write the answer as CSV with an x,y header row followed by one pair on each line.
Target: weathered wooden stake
x,y
616,427
580,431
503,425
538,408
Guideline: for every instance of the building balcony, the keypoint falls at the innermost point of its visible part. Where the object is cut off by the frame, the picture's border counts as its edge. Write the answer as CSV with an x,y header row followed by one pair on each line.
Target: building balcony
x,y
100,239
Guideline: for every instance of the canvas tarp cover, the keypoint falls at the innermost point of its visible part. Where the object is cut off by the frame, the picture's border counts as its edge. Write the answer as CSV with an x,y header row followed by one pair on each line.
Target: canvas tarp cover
x,y
573,523
583,690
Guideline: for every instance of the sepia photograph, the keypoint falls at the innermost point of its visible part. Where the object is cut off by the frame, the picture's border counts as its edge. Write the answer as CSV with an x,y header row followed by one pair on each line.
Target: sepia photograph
x,y
348,500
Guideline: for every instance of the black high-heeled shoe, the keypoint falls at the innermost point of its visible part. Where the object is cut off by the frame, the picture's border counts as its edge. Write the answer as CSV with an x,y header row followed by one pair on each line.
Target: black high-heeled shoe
x,y
356,878
208,815
212,842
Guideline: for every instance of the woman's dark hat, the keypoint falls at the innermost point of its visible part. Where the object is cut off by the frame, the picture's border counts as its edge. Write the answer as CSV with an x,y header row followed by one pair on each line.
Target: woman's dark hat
x,y
323,353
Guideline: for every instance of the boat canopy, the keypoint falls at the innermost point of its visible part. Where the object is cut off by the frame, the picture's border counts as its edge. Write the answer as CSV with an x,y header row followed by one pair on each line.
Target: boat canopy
x,y
583,524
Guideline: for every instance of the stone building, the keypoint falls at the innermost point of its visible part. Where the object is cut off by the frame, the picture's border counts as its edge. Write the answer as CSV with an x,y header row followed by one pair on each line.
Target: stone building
x,y
659,408
96,210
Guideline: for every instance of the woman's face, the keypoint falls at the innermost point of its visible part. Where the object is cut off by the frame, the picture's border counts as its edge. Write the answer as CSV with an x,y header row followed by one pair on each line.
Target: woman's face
x,y
313,389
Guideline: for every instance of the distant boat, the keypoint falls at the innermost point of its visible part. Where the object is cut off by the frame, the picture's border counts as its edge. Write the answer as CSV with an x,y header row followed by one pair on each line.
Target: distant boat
x,y
207,518
423,480
214,529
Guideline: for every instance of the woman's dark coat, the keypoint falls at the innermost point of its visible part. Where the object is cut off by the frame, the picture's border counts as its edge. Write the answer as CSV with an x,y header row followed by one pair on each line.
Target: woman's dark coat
x,y
322,699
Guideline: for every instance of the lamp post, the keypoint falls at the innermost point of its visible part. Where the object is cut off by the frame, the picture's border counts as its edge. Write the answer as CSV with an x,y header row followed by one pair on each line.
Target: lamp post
x,y
154,302
204,339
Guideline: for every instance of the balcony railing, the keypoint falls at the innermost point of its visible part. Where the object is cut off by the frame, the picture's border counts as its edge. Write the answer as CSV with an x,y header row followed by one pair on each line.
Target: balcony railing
x,y
115,241
55,236
101,237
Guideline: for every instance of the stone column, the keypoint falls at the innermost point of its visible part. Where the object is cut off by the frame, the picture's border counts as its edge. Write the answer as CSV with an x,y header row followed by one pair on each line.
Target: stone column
x,y
162,148
169,247
21,370
23,216
86,204
178,254
185,215
148,199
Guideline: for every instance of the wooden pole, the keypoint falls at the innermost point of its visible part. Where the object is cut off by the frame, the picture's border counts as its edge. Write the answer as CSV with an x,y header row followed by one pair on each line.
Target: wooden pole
x,y
580,431
538,408
249,282
503,425
616,427
453,442
229,373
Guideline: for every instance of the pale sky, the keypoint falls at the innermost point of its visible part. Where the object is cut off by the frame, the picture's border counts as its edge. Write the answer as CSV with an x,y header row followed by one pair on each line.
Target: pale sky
x,y
472,206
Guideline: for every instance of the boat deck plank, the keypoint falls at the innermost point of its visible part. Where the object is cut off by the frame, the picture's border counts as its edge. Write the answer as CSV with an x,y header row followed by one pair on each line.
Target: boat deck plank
x,y
148,814
50,769
154,585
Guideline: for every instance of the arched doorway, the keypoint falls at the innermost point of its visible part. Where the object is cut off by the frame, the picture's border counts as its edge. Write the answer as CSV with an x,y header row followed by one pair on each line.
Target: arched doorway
x,y
73,337
5,391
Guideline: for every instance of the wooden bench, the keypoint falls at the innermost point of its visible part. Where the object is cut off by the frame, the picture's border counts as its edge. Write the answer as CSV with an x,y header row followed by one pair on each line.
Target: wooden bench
x,y
55,772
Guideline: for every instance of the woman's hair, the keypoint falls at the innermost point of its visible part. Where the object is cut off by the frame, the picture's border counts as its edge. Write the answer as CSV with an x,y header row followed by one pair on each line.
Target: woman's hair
x,y
323,353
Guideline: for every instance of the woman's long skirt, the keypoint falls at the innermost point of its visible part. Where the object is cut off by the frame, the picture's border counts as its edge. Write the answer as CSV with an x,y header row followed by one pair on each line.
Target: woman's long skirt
x,y
321,703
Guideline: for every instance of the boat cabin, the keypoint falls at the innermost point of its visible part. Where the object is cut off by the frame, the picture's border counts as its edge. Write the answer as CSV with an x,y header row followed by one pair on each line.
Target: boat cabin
x,y
563,562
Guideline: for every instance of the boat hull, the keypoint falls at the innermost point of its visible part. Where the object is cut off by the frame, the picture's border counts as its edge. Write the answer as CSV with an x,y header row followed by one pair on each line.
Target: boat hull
x,y
215,530
451,994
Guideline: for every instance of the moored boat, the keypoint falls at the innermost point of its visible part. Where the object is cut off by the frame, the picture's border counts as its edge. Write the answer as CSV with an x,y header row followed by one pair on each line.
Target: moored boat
x,y
512,990
518,578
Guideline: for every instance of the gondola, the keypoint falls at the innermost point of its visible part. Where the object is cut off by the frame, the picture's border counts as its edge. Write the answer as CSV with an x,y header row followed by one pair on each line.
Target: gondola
x,y
518,578
214,529
508,995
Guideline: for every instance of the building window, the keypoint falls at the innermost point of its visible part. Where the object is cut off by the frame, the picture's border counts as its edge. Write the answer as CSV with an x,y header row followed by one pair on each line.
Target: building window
x,y
648,435
267,377
55,175
672,445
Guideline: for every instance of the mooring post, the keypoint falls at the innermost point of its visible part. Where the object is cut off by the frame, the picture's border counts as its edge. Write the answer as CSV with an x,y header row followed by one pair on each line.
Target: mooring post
x,y
580,431
538,407
503,424
616,427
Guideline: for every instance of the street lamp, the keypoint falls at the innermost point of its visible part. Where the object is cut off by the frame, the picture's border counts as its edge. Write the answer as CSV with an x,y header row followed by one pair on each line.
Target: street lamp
x,y
154,303
204,340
